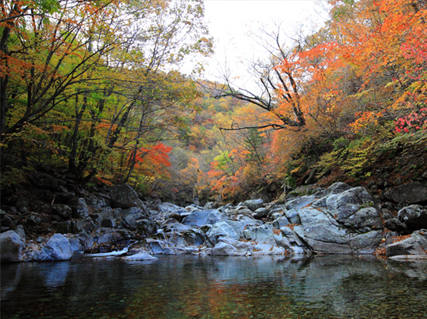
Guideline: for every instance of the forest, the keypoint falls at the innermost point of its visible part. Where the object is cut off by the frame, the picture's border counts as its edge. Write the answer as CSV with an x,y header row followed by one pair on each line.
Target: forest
x,y
93,90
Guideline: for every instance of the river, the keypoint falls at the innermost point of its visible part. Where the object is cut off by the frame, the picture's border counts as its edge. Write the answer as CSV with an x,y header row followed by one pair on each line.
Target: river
x,y
215,287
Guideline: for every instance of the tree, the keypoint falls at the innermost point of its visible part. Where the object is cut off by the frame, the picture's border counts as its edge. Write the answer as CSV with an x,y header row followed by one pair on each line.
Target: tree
x,y
95,81
279,83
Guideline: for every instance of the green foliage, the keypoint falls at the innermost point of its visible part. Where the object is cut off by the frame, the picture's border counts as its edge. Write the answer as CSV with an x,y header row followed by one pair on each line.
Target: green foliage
x,y
350,156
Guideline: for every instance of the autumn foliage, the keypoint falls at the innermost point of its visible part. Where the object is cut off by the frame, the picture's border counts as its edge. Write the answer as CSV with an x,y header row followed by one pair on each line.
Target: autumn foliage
x,y
85,90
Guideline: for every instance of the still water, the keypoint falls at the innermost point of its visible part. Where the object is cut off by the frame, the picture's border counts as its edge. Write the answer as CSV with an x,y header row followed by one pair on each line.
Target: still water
x,y
215,287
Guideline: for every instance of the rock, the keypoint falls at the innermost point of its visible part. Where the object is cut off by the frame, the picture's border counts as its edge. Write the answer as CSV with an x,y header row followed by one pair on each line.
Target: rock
x,y
145,227
57,248
268,249
106,218
280,222
292,216
416,244
341,223
299,202
386,214
97,200
22,203
363,220
203,217
75,244
7,221
80,208
395,224
224,249
131,216
11,246
276,212
336,188
140,256
260,234
62,210
224,229
411,193
194,237
44,181
21,232
260,213
343,205
168,208
106,237
124,196
414,216
83,225
253,204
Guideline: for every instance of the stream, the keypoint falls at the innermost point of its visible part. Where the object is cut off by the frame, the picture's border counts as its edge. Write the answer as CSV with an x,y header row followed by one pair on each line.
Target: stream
x,y
215,287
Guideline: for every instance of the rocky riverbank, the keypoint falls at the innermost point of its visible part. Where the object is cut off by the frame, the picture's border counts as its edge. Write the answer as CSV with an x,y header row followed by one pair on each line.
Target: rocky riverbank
x,y
116,222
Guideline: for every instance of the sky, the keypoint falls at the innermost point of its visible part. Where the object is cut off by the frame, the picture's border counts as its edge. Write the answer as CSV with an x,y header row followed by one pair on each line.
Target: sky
x,y
233,23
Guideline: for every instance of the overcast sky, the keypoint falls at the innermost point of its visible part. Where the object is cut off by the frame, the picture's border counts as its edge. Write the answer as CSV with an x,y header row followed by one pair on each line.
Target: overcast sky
x,y
231,23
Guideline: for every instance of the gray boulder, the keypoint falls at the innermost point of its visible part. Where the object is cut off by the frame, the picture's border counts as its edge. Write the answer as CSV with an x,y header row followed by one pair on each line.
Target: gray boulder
x,y
225,229
11,246
260,213
57,248
281,222
411,193
395,224
299,202
124,196
292,216
203,217
132,217
344,222
259,234
83,225
225,249
253,204
416,244
414,217
106,218
7,222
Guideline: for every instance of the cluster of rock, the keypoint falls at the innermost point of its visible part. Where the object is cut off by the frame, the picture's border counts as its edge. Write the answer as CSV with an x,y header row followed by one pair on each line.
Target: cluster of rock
x,y
337,220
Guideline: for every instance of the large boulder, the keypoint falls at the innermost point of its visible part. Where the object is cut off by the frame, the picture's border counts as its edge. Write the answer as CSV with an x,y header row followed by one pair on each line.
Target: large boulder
x,y
203,217
414,217
395,224
416,244
411,193
124,196
225,229
57,248
11,246
345,222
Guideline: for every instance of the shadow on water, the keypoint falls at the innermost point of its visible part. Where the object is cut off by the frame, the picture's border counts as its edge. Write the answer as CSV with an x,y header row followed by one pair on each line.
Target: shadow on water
x,y
215,287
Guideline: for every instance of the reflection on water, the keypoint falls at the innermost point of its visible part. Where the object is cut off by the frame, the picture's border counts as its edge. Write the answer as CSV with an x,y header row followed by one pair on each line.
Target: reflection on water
x,y
229,287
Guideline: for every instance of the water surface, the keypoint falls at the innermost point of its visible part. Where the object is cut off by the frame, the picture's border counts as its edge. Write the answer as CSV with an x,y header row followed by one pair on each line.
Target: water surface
x,y
215,287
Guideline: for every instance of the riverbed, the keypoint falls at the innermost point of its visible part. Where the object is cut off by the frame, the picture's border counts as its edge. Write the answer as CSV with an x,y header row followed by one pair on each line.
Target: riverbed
x,y
216,287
